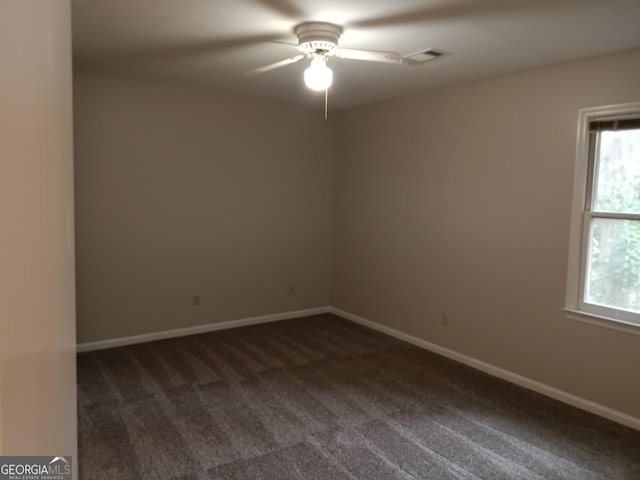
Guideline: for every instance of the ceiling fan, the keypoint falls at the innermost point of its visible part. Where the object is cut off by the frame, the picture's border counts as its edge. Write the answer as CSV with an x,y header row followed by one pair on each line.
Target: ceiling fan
x,y
319,41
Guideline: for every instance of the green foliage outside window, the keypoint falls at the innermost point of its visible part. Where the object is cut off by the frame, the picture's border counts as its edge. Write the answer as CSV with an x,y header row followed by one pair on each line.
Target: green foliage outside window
x,y
614,262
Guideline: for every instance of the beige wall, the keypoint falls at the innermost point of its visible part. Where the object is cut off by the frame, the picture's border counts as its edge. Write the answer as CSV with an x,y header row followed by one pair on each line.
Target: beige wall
x,y
182,192
37,318
459,201
454,201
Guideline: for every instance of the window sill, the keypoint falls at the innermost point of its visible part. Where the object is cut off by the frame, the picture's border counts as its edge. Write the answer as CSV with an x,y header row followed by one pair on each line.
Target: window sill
x,y
600,321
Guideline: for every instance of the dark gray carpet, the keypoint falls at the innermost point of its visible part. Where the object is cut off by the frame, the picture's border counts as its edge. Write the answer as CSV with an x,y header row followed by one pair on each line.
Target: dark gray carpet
x,y
322,398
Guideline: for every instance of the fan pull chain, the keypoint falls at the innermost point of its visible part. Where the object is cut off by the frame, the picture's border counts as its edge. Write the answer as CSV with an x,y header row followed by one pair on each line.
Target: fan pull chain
x,y
326,103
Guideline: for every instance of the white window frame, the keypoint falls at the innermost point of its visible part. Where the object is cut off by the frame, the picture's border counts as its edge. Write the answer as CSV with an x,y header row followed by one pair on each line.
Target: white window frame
x,y
575,308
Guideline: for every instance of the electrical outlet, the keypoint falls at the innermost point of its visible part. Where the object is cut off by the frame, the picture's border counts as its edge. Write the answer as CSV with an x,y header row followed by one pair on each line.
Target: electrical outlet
x,y
196,300
292,289
444,319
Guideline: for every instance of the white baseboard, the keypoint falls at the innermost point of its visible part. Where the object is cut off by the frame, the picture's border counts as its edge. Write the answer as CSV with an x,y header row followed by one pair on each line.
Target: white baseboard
x,y
183,332
568,398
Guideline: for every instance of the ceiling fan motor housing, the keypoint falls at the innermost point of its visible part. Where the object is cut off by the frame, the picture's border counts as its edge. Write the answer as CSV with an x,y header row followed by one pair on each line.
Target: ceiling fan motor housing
x,y
318,37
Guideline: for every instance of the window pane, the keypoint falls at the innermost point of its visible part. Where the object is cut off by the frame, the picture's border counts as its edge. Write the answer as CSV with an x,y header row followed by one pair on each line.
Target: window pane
x,y
617,180
613,266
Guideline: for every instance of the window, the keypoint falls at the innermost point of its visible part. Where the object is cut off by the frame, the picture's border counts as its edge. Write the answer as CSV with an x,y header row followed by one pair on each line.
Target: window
x,y
604,266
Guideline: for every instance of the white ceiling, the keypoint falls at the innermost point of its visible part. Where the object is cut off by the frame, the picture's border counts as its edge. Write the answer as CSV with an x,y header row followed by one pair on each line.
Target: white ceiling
x,y
210,43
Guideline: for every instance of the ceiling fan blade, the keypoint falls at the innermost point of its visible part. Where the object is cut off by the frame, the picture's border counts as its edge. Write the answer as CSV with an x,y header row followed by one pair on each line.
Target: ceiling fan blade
x,y
449,11
184,50
273,66
369,55
284,7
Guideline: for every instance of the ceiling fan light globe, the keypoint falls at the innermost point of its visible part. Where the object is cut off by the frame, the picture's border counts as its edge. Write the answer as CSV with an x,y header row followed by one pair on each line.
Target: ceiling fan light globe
x,y
318,76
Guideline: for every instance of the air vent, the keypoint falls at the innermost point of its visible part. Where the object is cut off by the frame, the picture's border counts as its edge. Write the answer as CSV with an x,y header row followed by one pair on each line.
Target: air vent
x,y
424,56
